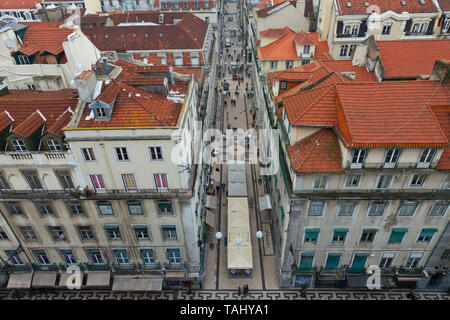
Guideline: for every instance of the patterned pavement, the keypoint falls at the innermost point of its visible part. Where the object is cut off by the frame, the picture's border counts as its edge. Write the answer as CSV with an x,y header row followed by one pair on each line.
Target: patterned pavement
x,y
224,295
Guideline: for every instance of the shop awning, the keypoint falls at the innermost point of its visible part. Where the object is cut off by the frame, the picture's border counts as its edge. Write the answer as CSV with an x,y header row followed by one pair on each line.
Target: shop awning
x,y
211,202
20,280
210,218
44,279
175,275
64,277
357,281
137,283
98,279
264,203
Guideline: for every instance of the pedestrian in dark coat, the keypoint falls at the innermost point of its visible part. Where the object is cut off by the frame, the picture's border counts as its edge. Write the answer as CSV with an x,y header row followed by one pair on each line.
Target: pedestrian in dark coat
x,y
246,290
239,291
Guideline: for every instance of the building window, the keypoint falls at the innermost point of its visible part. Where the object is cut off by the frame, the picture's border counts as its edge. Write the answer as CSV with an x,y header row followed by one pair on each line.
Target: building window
x,y
384,181
95,256
415,28
56,233
306,260
332,261
75,208
160,181
397,235
346,208
305,62
14,208
417,180
28,233
97,182
135,207
86,233
387,28
155,153
377,208
169,232
19,145
273,65
88,154
413,260
44,207
316,208
391,158
122,154
148,257
355,29
129,182
101,112
344,49
358,157
347,29
426,157
283,85
65,179
368,235
141,232
386,260
33,180
53,145
311,235
3,235
4,185
105,208
121,256
352,181
113,232
174,257
14,257
68,256
41,257
339,235
164,206
439,208
320,182
423,28
195,58
178,59
426,235
446,184
23,59
407,208
289,64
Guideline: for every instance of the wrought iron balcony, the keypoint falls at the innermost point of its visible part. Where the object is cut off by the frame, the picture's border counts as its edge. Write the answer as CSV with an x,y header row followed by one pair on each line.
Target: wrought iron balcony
x,y
45,267
150,267
388,165
171,266
409,271
305,270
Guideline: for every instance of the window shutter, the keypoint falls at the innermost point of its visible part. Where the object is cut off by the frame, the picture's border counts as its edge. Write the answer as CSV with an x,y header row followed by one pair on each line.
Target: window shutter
x,y
363,28
408,25
431,26
340,26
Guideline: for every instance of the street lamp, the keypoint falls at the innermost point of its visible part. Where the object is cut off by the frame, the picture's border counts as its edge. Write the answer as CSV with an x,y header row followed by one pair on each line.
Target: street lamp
x,y
259,234
218,235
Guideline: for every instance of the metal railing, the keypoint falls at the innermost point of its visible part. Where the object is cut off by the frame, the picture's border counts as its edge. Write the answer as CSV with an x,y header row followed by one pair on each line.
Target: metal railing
x,y
388,165
150,267
304,270
170,266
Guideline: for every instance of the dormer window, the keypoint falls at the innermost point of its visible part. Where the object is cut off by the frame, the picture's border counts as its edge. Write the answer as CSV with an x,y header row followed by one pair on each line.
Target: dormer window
x,y
53,145
101,112
23,59
358,157
19,145
347,29
426,158
355,30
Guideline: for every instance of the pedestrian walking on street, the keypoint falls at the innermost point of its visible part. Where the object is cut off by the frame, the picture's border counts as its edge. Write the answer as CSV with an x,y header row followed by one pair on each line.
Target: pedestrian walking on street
x,y
303,291
218,189
223,187
246,290
239,291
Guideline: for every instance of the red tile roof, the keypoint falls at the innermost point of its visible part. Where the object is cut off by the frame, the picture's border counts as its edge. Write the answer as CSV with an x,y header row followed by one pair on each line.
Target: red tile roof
x,y
411,58
391,113
5,120
262,13
276,32
18,4
270,3
30,124
129,66
318,152
284,48
358,7
444,4
442,113
188,33
57,127
22,106
194,71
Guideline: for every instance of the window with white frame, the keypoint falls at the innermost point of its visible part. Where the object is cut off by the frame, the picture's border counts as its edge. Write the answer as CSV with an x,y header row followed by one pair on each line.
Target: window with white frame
x,y
68,256
4,185
56,233
407,208
30,86
14,208
19,145
273,64
161,181
387,28
14,257
41,257
195,58
164,207
446,24
121,256
148,257
31,176
352,181
174,257
88,154
423,28
384,181
105,208
316,208
75,208
113,232
289,64
65,179
415,28
377,208
98,183
391,158
351,49
141,232
3,235
86,233
122,153
426,157
418,180
44,207
386,260
23,59
178,59
439,208
368,235
339,235
129,182
346,208
358,157
413,260
155,153
344,50
135,207
28,233
446,183
95,256
347,29
320,182
283,85
169,232
426,235
355,29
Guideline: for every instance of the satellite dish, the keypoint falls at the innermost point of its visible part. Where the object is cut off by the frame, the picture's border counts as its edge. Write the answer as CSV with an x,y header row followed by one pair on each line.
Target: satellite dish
x,y
10,43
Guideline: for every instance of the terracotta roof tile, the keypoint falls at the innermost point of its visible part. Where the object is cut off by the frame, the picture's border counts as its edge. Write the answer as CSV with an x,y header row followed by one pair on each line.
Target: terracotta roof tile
x,y
276,32
18,4
318,152
445,5
358,7
442,113
391,113
284,48
30,124
262,13
60,123
411,58
5,120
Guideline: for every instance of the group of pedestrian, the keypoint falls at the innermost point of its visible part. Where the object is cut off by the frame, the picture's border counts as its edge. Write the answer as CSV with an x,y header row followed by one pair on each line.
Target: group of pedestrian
x,y
243,291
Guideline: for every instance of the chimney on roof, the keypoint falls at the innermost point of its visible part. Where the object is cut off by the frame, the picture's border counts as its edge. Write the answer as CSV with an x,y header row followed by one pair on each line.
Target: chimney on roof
x,y
85,84
441,71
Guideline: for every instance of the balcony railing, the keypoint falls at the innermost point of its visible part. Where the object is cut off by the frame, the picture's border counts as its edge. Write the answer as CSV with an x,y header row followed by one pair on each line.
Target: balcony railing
x,y
150,267
170,266
409,271
41,267
31,155
305,270
389,165
350,35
